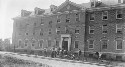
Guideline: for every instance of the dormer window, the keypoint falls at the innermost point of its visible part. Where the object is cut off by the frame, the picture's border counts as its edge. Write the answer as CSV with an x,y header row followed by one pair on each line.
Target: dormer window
x,y
120,1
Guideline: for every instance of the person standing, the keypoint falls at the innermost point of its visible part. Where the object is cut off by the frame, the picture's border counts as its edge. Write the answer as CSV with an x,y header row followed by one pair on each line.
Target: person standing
x,y
79,54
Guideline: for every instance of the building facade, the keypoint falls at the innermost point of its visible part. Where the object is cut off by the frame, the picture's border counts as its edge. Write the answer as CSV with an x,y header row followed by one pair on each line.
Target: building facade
x,y
62,27
71,26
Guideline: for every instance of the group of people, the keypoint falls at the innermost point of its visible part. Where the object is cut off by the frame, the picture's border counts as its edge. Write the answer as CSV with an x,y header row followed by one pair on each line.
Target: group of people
x,y
61,53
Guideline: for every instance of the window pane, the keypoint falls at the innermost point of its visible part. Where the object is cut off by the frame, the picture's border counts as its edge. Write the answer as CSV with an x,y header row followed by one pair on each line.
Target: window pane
x,y
119,14
57,43
119,44
104,44
91,41
76,44
41,43
92,16
76,31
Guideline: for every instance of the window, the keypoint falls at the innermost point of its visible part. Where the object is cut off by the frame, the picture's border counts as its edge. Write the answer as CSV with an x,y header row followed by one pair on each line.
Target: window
x,y
119,28
33,42
104,44
19,42
120,1
67,19
34,24
49,31
57,43
41,31
77,31
50,22
58,21
92,16
104,29
42,23
57,31
26,42
77,17
33,33
76,44
91,29
49,43
41,43
91,44
118,44
26,33
105,15
119,14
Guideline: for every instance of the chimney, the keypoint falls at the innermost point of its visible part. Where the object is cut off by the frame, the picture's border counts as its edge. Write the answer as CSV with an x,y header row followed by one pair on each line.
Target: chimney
x,y
53,7
93,3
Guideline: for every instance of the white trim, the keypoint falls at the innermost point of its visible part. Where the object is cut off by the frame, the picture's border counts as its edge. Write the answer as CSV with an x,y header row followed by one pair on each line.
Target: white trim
x,y
116,14
104,15
116,45
91,44
90,29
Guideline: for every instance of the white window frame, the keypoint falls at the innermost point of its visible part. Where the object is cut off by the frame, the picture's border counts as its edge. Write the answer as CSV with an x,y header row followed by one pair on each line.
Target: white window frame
x,y
103,28
118,28
91,29
104,15
42,43
116,45
75,44
90,15
117,14
92,44
102,45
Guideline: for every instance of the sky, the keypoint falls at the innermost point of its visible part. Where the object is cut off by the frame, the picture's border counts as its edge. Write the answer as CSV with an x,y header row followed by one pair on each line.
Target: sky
x,y
12,8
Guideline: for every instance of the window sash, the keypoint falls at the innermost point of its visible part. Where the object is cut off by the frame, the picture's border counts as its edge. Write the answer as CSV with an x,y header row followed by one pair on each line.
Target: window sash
x,y
76,44
119,44
104,44
105,15
92,16
91,44
77,31
119,14
41,43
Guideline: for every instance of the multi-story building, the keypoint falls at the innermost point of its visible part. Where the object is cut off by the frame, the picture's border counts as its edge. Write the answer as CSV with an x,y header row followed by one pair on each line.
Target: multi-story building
x,y
105,30
62,26
97,26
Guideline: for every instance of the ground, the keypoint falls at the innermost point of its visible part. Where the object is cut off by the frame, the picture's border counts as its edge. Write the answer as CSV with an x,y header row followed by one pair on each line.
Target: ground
x,y
41,61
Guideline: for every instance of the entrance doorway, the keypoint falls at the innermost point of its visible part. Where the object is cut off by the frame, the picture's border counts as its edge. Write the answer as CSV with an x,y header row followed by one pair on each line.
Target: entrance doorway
x,y
65,45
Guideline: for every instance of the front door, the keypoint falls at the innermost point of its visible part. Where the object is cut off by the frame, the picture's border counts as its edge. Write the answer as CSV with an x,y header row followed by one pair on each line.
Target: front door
x,y
65,45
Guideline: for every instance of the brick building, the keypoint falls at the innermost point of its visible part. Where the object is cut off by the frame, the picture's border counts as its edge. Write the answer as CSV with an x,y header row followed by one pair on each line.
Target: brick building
x,y
62,26
105,30
97,26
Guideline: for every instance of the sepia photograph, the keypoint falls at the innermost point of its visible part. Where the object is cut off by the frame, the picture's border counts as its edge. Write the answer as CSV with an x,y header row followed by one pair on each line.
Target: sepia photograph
x,y
62,33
